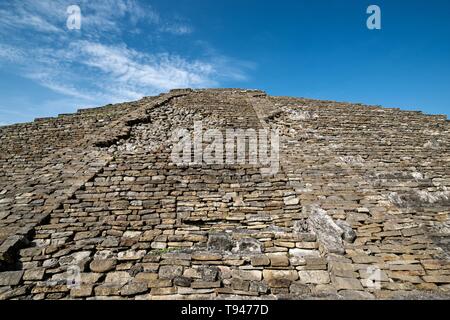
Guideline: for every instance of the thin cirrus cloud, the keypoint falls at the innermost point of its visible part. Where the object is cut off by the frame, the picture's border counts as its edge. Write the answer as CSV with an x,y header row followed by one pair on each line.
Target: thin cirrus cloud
x,y
94,64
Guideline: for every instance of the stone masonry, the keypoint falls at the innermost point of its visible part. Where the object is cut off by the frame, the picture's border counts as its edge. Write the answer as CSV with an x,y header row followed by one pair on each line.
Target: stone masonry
x,y
93,207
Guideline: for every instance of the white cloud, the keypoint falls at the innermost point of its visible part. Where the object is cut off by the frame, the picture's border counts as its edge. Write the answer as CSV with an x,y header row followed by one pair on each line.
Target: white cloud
x,y
137,72
22,109
100,18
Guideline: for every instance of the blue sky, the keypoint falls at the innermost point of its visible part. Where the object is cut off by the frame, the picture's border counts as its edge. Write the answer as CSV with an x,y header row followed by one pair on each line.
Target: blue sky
x,y
127,49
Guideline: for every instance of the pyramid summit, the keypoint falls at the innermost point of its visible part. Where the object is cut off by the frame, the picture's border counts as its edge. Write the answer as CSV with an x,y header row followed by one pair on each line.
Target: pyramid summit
x,y
226,193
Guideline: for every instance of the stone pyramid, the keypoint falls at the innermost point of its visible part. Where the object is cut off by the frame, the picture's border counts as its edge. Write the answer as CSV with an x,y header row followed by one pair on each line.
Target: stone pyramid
x,y
93,206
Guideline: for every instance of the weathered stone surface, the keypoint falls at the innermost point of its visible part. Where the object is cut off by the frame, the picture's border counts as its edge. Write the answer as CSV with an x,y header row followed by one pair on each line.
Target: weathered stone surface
x,y
34,274
42,287
291,200
356,295
13,293
182,281
248,245
259,286
108,289
131,255
30,252
348,234
240,284
159,283
252,275
209,273
162,291
205,256
78,259
89,277
205,284
304,253
50,263
347,283
437,279
279,283
279,261
299,288
146,276
82,291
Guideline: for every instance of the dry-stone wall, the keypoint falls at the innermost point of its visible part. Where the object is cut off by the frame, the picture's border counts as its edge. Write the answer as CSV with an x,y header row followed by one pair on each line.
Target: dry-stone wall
x,y
92,205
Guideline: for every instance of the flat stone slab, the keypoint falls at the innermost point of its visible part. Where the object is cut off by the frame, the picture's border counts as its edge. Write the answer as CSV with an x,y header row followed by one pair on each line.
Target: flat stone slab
x,y
10,278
